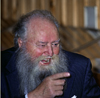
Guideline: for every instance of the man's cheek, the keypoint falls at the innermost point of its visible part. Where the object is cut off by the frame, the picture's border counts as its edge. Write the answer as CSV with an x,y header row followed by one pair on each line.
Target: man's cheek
x,y
38,52
31,50
56,51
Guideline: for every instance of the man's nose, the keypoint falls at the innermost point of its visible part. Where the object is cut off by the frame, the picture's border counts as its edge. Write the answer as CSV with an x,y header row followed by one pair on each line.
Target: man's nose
x,y
50,50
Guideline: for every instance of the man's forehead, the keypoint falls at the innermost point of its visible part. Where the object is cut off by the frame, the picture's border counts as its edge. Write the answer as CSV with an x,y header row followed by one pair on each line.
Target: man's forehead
x,y
37,20
39,25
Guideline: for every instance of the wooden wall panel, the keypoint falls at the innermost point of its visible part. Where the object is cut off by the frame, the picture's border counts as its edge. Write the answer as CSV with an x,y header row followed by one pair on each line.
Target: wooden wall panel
x,y
80,13
7,40
4,10
33,4
64,13
90,2
14,10
67,12
58,9
75,13
98,14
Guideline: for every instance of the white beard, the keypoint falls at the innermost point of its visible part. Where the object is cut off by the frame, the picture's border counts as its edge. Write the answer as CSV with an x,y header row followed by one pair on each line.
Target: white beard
x,y
31,74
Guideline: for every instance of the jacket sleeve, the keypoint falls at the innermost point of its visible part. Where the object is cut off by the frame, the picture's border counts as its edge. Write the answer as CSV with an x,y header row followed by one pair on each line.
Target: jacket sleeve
x,y
90,89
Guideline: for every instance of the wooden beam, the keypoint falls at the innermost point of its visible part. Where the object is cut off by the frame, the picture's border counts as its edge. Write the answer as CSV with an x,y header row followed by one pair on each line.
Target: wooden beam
x,y
87,45
92,50
70,36
85,34
8,29
86,53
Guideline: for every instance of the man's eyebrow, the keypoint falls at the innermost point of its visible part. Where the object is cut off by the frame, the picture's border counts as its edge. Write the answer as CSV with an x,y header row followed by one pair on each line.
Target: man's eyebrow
x,y
56,41
47,42
42,42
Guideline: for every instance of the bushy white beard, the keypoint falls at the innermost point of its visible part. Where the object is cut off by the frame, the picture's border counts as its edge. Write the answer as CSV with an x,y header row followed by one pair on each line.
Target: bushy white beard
x,y
31,74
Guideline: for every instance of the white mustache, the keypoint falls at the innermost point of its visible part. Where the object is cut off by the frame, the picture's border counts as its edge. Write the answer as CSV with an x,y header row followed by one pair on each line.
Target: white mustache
x,y
47,57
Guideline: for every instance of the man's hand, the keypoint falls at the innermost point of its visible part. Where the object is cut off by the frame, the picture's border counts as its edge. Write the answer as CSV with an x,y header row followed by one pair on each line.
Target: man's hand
x,y
50,87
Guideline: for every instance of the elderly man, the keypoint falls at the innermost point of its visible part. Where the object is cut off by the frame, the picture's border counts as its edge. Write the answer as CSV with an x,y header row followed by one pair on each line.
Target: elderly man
x,y
39,68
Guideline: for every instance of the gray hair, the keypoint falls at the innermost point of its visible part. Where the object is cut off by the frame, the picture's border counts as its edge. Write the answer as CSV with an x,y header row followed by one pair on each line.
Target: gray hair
x,y
20,30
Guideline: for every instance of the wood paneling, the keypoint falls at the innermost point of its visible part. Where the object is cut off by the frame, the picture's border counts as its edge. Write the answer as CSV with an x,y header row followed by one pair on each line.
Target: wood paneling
x,y
67,12
90,2
98,14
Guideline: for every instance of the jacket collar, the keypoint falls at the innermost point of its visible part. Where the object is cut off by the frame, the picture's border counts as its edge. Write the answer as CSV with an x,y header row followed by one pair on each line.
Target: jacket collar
x,y
11,64
12,77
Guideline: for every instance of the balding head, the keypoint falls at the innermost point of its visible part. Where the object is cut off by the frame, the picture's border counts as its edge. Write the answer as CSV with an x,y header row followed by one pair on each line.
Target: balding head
x,y
20,29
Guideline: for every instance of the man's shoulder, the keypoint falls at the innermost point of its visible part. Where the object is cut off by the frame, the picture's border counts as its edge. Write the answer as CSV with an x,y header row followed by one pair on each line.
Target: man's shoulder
x,y
6,55
78,63
73,54
75,57
10,50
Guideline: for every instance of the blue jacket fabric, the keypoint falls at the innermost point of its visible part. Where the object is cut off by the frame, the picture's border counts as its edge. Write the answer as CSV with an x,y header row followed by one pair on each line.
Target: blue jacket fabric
x,y
80,84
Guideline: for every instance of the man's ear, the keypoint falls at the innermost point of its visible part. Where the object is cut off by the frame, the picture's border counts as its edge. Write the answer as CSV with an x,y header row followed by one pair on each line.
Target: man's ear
x,y
20,42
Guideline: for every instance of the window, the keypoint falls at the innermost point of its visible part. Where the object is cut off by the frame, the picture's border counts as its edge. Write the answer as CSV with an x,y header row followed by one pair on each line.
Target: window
x,y
90,17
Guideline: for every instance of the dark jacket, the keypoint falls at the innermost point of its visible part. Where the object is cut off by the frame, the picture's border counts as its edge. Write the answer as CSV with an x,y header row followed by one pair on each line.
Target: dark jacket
x,y
81,83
